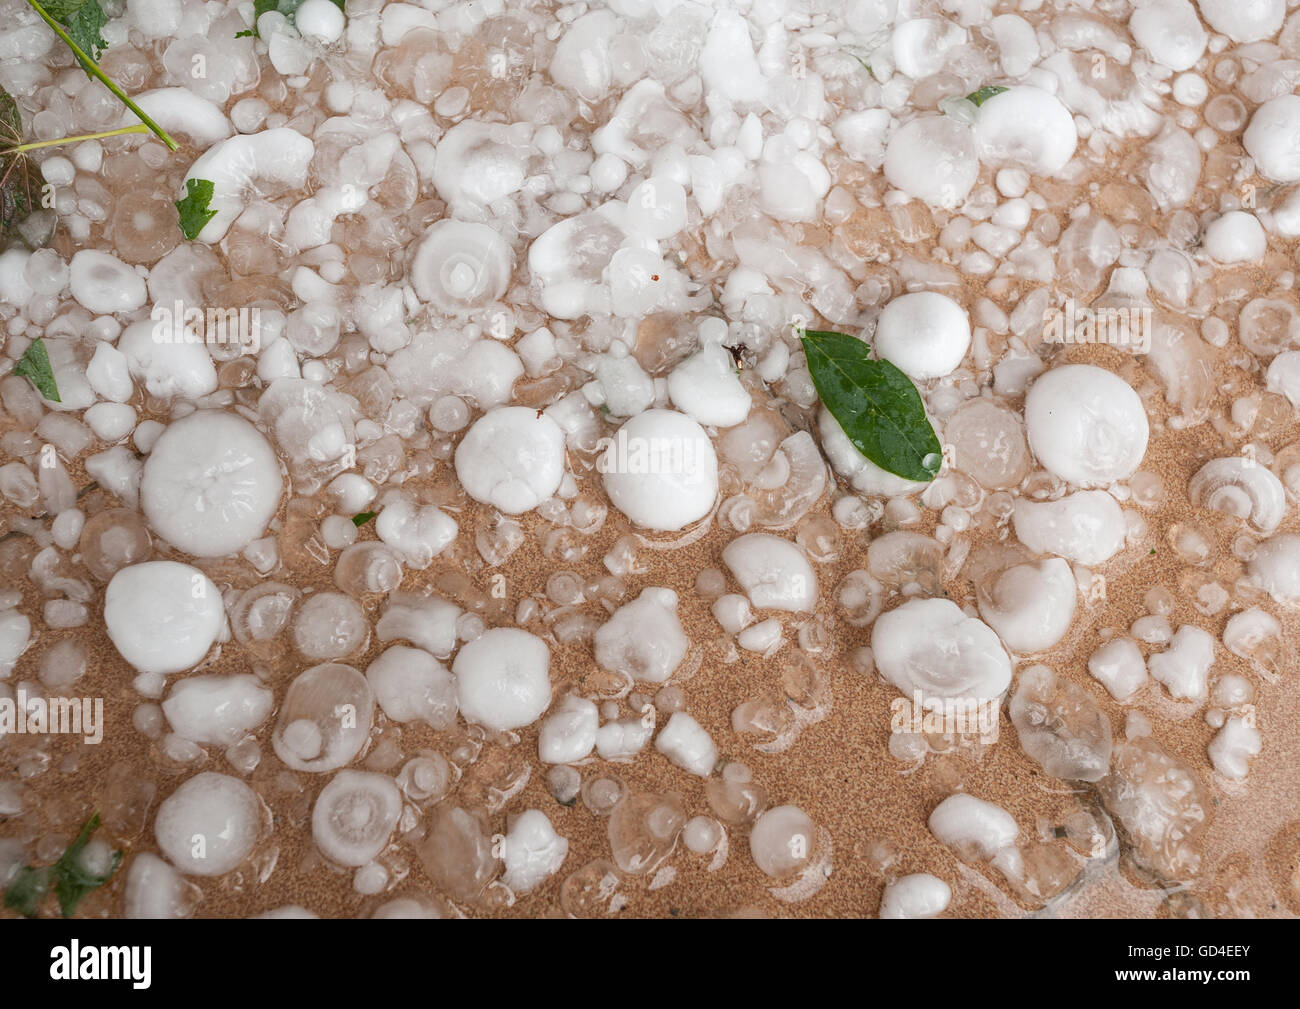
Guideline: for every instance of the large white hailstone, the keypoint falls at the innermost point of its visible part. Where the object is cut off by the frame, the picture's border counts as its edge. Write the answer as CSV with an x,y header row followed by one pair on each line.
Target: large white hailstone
x,y
706,388
532,851
1119,667
210,484
933,159
354,816
728,65
582,61
156,891
1236,237
209,824
1275,567
931,646
1233,748
773,571
623,738
217,709
643,640
919,895
103,284
1184,667
511,458
411,685
1025,127
503,679
460,266
863,474
320,20
272,160
478,163
687,744
974,828
1244,20
782,840
1086,527
656,209
1273,138
1170,31
162,616
418,532
1031,605
923,334
568,732
1086,425
660,470
167,369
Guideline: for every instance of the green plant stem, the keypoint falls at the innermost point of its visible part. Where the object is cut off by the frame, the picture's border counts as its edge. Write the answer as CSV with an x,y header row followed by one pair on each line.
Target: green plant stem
x,y
137,128
92,68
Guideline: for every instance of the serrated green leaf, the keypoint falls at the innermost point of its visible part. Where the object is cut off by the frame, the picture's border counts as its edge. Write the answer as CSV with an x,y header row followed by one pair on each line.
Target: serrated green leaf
x,y
27,890
878,407
978,98
193,208
362,518
35,364
73,882
84,20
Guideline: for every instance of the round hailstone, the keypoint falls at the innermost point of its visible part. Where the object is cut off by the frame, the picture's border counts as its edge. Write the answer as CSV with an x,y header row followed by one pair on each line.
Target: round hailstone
x,y
1025,127
932,646
781,841
208,825
532,851
1236,237
503,679
211,484
1244,20
354,816
104,284
319,20
1170,31
919,895
933,159
865,476
1273,138
461,266
661,471
924,335
1086,425
512,458
162,616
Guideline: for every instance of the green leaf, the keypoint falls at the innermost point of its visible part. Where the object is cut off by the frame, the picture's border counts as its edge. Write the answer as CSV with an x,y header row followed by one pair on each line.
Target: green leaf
x,y
247,33
981,96
876,404
193,209
84,19
73,881
69,877
17,177
362,518
27,890
35,364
